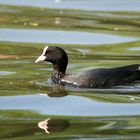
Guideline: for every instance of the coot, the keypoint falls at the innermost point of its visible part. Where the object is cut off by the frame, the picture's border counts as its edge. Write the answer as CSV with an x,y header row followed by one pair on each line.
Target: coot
x,y
94,78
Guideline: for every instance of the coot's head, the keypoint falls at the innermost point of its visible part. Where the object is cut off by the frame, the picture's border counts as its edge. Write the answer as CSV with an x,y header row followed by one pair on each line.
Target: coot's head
x,y
57,56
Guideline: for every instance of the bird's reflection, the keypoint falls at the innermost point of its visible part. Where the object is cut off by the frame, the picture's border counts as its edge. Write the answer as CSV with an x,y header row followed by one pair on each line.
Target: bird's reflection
x,y
53,125
58,91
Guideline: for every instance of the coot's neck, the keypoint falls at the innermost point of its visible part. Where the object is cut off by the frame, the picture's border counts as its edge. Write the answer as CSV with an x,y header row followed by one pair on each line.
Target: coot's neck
x,y
59,70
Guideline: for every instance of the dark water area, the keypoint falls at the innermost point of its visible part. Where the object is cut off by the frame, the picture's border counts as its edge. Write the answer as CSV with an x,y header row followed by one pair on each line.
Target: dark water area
x,y
95,34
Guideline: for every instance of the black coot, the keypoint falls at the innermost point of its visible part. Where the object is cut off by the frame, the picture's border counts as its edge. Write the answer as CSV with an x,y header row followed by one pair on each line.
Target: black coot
x,y
94,78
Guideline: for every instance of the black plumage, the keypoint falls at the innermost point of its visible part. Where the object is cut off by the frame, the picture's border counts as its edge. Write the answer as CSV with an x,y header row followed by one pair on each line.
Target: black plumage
x,y
94,78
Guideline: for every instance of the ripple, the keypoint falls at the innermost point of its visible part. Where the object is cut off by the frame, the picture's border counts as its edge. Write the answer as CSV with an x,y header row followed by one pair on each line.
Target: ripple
x,y
61,37
134,49
6,73
69,105
105,5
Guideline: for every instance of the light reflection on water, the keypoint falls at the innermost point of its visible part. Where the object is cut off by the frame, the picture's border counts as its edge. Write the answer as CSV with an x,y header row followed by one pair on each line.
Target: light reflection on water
x,y
134,49
6,73
67,106
61,37
105,5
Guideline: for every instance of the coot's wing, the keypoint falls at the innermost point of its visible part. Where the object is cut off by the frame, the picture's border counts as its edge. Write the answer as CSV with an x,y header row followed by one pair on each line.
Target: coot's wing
x,y
104,77
112,76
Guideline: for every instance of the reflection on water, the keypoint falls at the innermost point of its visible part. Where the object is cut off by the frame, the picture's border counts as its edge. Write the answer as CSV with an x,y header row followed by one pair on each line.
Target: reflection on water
x,y
53,125
108,5
120,127
60,37
6,72
92,40
72,105
135,49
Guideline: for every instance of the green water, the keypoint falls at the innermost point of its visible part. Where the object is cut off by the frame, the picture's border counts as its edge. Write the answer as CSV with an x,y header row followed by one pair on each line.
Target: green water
x,y
92,38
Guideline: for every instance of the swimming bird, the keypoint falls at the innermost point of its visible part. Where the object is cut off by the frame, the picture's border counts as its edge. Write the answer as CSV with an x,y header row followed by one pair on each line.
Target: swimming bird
x,y
94,78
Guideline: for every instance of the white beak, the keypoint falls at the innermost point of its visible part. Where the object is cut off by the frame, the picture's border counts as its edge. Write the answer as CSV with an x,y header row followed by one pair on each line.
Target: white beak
x,y
40,59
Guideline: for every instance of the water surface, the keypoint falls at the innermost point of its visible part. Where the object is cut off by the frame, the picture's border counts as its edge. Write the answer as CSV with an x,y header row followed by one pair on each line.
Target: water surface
x,y
94,34
74,106
61,37
105,5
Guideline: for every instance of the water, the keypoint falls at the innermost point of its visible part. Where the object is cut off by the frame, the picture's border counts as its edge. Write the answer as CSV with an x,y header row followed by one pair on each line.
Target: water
x,y
61,37
109,5
74,106
95,34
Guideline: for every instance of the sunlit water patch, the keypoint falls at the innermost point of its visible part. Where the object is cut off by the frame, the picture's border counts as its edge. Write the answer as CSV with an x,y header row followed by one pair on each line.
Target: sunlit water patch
x,y
61,37
69,105
122,5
